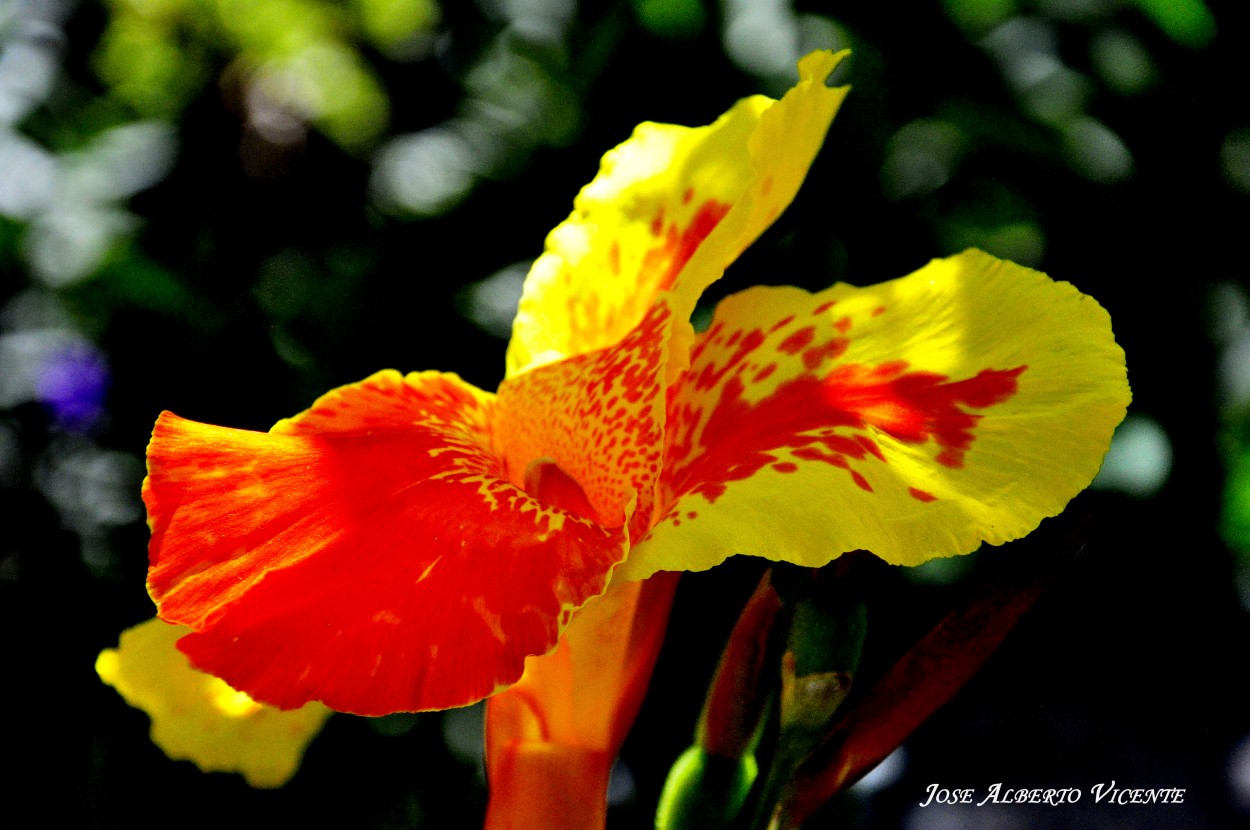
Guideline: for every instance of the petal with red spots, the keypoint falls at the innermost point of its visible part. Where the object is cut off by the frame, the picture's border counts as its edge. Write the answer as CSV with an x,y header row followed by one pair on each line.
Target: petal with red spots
x,y
669,210
599,417
916,418
367,553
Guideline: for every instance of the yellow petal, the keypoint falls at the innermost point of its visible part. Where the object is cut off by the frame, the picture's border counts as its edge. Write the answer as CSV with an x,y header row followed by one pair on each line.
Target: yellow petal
x,y
915,419
197,717
668,211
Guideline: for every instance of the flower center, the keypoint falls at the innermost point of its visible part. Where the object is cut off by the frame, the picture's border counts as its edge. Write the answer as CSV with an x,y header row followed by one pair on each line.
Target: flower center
x,y
545,481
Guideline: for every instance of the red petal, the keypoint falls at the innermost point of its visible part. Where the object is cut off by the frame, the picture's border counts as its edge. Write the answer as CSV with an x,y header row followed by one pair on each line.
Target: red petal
x,y
367,553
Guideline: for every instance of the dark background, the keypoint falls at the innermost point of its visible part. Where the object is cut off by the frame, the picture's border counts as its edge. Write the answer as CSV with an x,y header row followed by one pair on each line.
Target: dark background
x,y
182,228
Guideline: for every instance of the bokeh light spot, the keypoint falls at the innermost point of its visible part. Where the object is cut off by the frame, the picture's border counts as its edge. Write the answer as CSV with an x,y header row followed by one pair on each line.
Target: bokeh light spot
x,y
1140,459
976,17
1122,62
920,158
426,173
491,304
761,37
1235,158
1096,152
1188,22
671,18
462,732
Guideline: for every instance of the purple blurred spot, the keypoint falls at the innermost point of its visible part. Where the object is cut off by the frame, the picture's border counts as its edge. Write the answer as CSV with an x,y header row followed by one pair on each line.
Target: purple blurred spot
x,y
72,383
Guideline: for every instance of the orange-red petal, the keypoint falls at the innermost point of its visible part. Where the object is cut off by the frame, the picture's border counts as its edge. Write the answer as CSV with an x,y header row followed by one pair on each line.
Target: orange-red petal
x,y
551,739
368,553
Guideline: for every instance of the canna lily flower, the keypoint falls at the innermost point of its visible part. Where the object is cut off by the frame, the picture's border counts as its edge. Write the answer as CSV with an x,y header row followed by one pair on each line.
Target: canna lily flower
x,y
411,542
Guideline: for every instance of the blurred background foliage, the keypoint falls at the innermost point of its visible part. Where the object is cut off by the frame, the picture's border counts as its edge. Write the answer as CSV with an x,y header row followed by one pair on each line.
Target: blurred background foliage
x,y
224,208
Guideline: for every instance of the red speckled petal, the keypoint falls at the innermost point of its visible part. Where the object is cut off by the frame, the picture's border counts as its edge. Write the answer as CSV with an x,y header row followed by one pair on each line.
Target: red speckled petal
x,y
915,419
600,417
368,553
669,210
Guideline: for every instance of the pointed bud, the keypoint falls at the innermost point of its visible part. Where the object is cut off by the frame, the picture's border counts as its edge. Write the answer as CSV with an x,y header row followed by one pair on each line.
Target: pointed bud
x,y
704,791
710,782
